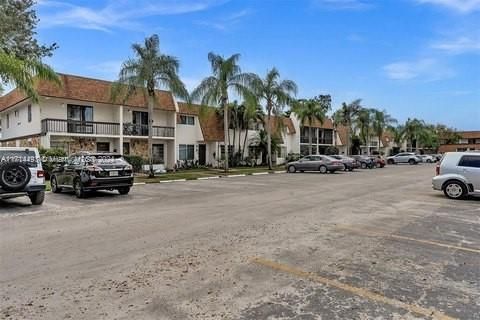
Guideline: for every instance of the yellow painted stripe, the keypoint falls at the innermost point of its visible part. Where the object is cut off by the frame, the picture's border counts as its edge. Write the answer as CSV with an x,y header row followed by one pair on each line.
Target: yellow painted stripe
x,y
393,236
364,293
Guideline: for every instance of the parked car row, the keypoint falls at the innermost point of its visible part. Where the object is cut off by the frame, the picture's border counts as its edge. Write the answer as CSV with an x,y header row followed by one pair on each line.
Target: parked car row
x,y
21,174
333,163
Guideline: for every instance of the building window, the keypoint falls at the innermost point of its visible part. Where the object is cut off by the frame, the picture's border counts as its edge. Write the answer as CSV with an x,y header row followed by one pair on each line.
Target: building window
x,y
188,120
8,120
126,148
158,153
103,146
186,152
79,118
29,111
17,113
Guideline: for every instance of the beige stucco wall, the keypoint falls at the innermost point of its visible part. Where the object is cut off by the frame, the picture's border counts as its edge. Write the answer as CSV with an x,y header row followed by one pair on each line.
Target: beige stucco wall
x,y
19,126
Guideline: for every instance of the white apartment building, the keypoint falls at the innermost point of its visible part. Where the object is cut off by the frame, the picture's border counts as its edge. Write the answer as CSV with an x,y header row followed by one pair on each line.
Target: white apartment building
x,y
80,115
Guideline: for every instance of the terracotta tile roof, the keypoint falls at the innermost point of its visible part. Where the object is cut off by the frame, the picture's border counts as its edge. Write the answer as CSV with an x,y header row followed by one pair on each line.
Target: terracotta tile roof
x,y
286,123
210,121
86,89
327,124
469,134
342,134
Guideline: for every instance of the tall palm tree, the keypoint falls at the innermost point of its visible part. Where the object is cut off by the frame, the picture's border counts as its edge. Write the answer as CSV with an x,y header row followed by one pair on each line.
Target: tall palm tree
x,y
148,71
307,111
413,129
398,133
346,116
381,122
275,93
364,124
214,90
22,73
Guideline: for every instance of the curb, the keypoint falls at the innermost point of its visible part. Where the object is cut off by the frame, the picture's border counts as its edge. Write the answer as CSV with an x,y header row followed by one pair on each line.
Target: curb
x,y
259,173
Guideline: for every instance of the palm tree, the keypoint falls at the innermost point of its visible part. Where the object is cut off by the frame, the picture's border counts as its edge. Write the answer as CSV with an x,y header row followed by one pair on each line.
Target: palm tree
x,y
214,90
346,116
22,73
148,71
276,94
364,124
307,111
413,129
381,121
252,114
398,133
262,143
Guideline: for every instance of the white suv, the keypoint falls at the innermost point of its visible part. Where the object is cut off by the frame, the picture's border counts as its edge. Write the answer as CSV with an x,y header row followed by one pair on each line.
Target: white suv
x,y
458,174
404,157
21,174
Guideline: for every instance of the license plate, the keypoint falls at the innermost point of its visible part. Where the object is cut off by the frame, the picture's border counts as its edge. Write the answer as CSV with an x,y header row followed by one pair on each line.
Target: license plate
x,y
113,173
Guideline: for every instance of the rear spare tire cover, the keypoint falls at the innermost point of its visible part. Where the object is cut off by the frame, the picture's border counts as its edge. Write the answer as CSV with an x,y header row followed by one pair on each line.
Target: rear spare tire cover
x,y
14,176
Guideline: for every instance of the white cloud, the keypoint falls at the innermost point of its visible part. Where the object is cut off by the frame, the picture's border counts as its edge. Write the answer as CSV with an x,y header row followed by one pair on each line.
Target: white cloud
x,y
115,14
343,4
225,22
422,69
462,6
459,45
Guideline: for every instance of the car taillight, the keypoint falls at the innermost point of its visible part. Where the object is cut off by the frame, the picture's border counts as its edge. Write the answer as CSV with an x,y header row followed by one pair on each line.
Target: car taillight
x,y
40,174
437,169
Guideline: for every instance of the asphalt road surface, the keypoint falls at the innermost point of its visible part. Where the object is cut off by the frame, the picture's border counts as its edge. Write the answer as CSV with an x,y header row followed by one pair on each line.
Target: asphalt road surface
x,y
372,244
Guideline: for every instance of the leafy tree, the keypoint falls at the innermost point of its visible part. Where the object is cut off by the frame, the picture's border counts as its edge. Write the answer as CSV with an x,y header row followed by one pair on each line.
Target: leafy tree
x,y
307,111
413,129
20,52
275,93
381,122
346,116
148,71
214,90
364,124
252,114
261,143
18,22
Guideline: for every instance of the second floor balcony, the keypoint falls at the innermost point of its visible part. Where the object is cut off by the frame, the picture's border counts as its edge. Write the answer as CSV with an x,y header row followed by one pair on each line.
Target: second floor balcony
x,y
95,128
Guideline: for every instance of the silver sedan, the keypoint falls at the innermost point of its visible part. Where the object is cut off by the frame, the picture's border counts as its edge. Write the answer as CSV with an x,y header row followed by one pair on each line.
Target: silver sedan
x,y
320,163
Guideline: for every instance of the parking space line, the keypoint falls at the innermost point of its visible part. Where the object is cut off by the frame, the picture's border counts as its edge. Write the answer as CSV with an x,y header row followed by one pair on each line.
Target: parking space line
x,y
364,293
398,237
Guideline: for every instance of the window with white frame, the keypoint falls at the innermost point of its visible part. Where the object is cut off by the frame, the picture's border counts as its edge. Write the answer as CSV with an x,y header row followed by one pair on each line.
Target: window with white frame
x,y
187,120
186,152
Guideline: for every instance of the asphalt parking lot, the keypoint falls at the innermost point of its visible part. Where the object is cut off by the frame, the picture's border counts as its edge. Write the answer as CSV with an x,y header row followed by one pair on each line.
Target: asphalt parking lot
x,y
372,244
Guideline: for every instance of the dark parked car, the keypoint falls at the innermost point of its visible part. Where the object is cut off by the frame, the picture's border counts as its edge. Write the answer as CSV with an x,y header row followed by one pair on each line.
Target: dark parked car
x,y
349,163
85,172
320,163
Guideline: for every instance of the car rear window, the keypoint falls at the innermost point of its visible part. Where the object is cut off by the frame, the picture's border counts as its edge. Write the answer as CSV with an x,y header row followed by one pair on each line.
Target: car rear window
x,y
24,156
470,161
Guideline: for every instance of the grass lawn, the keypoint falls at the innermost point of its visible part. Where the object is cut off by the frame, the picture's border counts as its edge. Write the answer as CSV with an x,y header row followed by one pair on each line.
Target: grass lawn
x,y
202,173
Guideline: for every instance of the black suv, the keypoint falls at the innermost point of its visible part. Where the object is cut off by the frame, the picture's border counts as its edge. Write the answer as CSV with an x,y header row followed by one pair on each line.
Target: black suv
x,y
85,172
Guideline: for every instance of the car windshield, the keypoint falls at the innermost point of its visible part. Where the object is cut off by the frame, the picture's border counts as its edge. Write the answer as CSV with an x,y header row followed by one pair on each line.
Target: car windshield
x,y
27,157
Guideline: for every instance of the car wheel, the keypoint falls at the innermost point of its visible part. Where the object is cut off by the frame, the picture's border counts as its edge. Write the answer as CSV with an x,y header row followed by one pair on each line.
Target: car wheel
x,y
37,198
124,190
14,176
364,165
350,169
390,161
345,168
54,185
78,188
412,162
323,169
455,189
292,169
429,161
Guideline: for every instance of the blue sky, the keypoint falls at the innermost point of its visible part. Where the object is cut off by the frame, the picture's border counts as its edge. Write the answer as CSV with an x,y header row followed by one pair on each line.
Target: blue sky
x,y
414,58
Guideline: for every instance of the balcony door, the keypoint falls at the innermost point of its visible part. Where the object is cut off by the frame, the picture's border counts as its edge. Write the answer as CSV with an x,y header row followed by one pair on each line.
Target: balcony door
x,y
79,119
140,122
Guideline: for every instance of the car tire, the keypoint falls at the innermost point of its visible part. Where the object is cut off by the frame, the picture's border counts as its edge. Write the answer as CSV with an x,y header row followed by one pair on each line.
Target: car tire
x,y
292,169
124,190
54,185
412,162
14,176
37,197
363,165
78,188
323,169
455,189
350,169
390,161
429,161
345,167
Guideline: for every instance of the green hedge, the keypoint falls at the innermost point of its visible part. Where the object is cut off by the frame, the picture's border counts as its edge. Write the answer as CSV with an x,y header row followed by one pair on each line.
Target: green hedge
x,y
136,161
50,159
